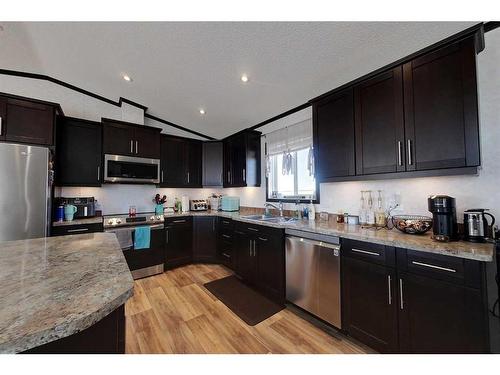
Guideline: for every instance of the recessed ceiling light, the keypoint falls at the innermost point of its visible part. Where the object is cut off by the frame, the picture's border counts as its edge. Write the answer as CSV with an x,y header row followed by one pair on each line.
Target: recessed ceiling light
x,y
244,78
202,111
127,78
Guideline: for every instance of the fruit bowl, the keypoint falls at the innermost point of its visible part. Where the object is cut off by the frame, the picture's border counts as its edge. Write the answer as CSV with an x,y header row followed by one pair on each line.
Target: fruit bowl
x,y
412,224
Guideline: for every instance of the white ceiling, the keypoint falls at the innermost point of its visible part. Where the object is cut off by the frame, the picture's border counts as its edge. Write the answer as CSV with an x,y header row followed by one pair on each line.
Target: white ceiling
x,y
178,68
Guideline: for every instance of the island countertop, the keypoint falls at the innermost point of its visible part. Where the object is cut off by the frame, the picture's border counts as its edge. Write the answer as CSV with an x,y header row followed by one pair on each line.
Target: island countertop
x,y
57,286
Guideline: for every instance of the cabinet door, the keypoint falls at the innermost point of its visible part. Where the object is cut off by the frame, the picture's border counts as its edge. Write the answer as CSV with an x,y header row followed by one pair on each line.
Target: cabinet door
x,y
334,136
193,165
270,258
369,304
379,124
173,162
118,139
439,317
441,112
178,243
212,164
147,143
205,238
29,122
244,259
227,162
3,117
238,160
78,153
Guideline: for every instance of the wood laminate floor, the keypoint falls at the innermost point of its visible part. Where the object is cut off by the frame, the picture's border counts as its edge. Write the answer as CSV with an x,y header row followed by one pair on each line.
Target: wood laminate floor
x,y
173,313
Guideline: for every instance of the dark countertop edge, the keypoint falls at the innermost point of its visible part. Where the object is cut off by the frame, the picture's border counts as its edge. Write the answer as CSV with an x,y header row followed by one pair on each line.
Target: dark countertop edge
x,y
66,329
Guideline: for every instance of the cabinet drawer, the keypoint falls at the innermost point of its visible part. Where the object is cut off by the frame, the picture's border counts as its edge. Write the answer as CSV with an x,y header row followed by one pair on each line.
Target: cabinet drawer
x,y
373,253
177,221
442,267
76,229
255,229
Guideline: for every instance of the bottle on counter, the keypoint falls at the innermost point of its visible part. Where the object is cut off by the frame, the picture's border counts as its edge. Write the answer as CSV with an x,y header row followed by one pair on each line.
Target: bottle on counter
x,y
298,210
380,217
370,212
311,212
362,209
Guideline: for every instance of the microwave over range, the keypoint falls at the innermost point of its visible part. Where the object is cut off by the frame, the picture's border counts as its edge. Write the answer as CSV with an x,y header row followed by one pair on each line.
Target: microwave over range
x,y
119,168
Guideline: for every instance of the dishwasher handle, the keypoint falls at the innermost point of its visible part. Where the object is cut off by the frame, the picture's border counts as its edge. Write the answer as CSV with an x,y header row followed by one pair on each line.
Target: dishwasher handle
x,y
307,241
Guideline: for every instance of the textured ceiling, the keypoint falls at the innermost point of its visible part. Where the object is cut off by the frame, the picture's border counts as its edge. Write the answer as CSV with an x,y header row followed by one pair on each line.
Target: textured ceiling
x,y
178,68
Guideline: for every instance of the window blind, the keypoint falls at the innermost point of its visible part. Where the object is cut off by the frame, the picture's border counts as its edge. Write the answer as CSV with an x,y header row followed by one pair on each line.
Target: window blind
x,y
292,138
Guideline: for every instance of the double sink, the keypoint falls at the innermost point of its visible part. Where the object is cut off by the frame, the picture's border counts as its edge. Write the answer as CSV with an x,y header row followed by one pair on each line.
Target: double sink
x,y
270,218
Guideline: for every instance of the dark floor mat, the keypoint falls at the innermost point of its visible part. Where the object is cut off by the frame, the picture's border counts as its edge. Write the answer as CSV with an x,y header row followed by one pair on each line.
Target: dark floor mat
x,y
248,304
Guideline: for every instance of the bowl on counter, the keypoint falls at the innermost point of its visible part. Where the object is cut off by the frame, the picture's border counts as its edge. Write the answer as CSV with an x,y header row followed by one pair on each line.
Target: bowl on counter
x,y
412,224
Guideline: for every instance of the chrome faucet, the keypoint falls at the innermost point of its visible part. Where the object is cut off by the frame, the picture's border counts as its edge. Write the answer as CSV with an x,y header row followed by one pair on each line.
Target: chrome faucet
x,y
279,207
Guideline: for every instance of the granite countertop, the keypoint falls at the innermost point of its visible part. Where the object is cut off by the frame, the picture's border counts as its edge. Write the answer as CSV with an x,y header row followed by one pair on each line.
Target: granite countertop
x,y
83,221
57,286
461,249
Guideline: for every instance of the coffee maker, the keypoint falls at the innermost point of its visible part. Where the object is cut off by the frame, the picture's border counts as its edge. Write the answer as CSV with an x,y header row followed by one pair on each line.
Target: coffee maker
x,y
476,226
444,217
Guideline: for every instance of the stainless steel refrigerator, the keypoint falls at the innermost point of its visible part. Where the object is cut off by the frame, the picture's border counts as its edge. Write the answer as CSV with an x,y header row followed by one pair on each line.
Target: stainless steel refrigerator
x,y
25,191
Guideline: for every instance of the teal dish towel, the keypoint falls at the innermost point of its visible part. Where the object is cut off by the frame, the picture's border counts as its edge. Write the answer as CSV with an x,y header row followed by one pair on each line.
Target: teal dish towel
x,y
142,238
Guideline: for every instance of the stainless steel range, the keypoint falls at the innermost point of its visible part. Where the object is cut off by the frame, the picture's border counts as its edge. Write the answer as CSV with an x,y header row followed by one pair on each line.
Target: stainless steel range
x,y
142,262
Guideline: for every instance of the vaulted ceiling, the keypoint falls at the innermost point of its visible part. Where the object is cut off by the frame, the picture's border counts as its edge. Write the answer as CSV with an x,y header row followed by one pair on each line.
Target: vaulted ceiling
x,y
179,67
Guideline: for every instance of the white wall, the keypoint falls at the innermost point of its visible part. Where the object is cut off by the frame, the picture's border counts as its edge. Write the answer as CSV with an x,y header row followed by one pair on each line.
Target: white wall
x,y
482,191
470,191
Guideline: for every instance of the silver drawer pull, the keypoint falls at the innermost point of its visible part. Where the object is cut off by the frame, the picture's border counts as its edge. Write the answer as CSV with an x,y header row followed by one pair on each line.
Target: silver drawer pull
x,y
226,255
400,159
1,125
253,229
225,221
365,252
401,303
226,236
179,221
77,230
262,239
238,232
131,146
409,152
433,266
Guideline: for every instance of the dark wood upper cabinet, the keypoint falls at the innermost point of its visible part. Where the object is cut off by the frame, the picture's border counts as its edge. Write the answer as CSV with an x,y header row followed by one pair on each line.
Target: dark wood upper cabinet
x,y
147,142
123,138
205,238
28,122
441,111
379,123
212,164
242,157
180,162
78,152
3,117
333,120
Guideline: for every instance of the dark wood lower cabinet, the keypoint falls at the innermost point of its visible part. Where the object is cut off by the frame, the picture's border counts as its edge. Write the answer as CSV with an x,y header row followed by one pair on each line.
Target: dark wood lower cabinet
x,y
440,317
178,242
107,336
427,303
369,304
205,238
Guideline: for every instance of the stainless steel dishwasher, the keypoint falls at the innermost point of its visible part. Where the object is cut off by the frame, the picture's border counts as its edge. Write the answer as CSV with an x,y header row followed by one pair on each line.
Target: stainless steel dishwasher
x,y
313,274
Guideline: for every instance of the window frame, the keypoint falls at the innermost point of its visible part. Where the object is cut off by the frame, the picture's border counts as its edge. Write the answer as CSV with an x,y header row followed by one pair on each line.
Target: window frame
x,y
291,200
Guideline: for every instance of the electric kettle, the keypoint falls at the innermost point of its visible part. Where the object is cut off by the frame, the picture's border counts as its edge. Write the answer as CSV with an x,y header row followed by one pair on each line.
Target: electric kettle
x,y
475,224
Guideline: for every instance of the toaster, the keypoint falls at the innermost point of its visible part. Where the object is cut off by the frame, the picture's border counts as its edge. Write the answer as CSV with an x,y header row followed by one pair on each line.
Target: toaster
x,y
198,205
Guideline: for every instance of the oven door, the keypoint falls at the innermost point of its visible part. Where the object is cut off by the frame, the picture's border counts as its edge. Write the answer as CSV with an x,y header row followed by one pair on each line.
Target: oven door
x,y
119,168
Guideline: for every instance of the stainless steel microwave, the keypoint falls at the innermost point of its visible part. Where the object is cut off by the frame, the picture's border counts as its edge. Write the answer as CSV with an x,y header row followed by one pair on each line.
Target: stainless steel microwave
x,y
118,168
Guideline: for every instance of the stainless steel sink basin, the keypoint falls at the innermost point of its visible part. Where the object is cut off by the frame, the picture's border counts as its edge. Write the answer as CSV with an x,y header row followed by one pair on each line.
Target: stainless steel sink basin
x,y
270,219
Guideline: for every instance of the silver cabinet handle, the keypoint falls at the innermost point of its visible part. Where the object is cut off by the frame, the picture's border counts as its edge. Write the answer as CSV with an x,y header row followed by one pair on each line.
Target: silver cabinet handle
x,y
188,177
400,158
262,239
401,303
229,176
167,235
409,152
161,176
131,146
77,230
225,221
250,247
254,244
226,255
389,288
365,252
226,236
253,229
1,125
433,266
238,232
244,173
98,173
179,221
136,147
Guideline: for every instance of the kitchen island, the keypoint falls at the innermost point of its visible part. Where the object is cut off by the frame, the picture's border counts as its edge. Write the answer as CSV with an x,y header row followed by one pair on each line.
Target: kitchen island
x,y
63,294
